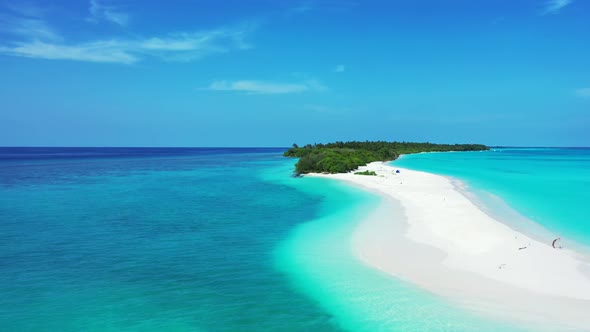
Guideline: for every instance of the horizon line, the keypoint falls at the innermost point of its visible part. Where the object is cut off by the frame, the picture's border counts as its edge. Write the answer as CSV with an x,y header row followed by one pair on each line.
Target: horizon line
x,y
256,147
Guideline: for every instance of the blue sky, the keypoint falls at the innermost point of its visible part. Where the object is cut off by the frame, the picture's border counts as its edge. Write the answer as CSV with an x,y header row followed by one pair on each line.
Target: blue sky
x,y
274,72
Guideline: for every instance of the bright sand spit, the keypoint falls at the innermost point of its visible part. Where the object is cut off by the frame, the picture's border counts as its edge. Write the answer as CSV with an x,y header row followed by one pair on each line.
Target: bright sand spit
x,y
442,242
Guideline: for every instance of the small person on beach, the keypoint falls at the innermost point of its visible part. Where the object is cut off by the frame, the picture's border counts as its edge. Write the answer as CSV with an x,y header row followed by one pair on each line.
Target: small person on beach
x,y
555,244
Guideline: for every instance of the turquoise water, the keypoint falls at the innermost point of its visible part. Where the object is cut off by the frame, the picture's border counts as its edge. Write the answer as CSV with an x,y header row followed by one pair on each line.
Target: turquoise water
x,y
550,186
154,241
192,240
317,258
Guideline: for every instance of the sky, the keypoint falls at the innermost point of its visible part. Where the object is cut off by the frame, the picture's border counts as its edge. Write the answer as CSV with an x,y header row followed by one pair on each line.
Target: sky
x,y
277,72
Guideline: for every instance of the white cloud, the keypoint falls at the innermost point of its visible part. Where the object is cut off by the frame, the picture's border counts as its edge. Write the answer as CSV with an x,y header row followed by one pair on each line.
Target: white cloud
x,y
265,87
195,45
583,92
554,6
101,51
30,36
119,18
172,47
99,11
31,28
25,20
340,69
197,40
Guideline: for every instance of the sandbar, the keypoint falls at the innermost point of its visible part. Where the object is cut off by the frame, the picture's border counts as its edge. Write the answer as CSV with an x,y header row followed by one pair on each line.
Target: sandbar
x,y
427,232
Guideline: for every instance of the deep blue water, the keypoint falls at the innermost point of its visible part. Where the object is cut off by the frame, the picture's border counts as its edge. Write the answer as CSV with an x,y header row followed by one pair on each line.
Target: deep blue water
x,y
126,239
147,239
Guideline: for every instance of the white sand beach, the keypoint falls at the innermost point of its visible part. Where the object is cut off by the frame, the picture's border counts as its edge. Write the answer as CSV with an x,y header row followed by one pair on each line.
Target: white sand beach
x,y
428,233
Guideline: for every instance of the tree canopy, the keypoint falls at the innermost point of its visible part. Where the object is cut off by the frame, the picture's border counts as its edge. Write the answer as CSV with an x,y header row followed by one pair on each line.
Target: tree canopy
x,y
343,157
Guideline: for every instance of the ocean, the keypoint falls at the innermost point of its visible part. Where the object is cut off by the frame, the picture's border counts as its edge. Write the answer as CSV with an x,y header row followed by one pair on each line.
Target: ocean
x,y
147,240
203,239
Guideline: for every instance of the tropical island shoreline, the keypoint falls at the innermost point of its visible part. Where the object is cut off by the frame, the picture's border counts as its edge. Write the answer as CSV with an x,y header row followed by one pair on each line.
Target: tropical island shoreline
x,y
427,232
343,157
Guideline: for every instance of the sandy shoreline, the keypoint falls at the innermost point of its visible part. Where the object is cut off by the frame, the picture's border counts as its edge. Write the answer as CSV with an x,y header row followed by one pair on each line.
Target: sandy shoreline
x,y
427,232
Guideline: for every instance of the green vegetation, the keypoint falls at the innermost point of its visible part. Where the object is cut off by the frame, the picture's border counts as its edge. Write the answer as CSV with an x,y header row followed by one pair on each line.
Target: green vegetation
x,y
343,157
366,173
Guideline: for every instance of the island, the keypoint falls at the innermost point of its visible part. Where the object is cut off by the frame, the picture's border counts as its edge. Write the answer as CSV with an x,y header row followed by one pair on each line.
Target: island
x,y
343,157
